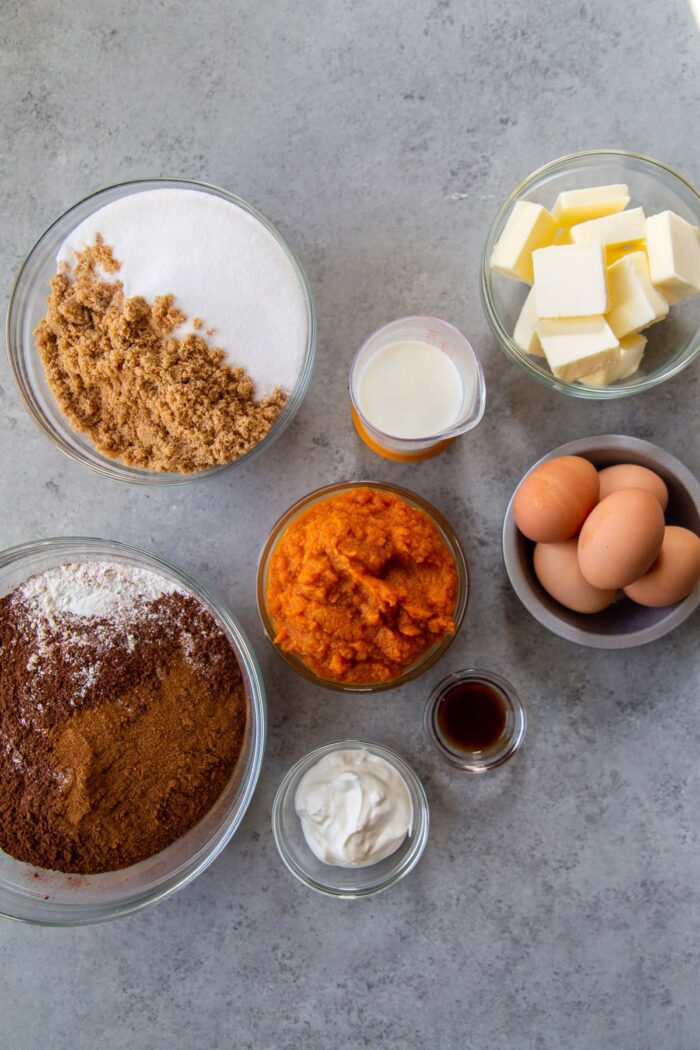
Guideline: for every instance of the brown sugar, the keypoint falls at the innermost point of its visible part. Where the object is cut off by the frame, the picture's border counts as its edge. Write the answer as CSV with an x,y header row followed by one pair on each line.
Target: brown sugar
x,y
143,395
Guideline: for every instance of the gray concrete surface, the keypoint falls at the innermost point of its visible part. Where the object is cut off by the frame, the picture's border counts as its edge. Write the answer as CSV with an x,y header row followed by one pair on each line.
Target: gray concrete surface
x,y
556,907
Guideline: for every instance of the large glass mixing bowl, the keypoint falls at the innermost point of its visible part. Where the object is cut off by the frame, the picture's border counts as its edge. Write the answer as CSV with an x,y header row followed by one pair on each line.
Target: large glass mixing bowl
x,y
52,898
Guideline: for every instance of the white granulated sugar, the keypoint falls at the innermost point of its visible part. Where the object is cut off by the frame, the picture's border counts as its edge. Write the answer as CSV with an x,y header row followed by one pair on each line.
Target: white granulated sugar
x,y
104,590
221,265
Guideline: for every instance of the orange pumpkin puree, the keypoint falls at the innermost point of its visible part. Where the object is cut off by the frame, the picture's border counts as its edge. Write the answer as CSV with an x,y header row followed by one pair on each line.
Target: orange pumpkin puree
x,y
360,585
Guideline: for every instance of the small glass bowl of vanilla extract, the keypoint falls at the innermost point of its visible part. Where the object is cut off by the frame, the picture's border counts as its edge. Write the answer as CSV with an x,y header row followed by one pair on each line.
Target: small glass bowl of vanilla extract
x,y
475,720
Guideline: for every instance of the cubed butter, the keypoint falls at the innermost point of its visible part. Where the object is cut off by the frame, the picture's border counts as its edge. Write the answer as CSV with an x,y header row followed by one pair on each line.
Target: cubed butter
x,y
574,206
613,252
611,229
673,247
570,281
625,362
529,226
576,346
634,302
524,335
671,298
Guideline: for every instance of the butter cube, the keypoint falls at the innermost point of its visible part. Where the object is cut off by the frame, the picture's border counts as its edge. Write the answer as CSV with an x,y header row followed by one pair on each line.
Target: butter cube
x,y
524,335
574,206
673,246
613,252
670,298
611,229
570,281
576,346
634,302
625,362
529,226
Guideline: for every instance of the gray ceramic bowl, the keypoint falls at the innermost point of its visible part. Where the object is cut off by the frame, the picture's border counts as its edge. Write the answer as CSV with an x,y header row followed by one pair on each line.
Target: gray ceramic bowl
x,y
624,624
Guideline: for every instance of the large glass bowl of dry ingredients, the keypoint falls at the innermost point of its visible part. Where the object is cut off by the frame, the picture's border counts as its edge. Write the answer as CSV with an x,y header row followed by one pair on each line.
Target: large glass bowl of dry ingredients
x,y
28,305
41,896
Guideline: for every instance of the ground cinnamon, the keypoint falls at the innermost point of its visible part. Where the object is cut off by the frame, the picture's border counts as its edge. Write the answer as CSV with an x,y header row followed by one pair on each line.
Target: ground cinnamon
x,y
114,740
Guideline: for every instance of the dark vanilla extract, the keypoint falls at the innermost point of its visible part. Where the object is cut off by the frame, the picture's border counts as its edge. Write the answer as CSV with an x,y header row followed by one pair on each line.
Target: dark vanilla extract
x,y
471,716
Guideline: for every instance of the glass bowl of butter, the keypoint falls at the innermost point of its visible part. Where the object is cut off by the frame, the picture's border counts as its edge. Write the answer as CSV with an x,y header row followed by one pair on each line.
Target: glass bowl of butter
x,y
590,276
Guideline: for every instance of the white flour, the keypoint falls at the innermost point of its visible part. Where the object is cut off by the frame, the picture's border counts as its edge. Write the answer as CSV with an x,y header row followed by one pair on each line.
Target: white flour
x,y
221,265
100,590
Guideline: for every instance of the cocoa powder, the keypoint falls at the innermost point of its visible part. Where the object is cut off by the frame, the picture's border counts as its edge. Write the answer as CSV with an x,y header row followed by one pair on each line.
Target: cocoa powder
x,y
116,736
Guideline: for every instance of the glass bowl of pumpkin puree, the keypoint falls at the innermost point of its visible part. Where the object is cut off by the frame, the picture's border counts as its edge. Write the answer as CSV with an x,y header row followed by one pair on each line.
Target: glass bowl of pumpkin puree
x,y
362,586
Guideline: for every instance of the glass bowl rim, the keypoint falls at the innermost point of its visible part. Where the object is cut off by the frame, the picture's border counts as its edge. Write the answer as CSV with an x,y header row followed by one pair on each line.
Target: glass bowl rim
x,y
503,337
450,432
17,352
75,913
531,602
452,541
421,819
513,700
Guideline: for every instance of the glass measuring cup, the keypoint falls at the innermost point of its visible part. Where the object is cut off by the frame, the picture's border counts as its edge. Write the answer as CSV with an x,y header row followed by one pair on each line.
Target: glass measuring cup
x,y
445,337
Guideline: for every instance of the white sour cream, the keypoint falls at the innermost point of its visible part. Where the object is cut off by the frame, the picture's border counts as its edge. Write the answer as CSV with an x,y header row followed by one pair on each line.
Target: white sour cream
x,y
355,808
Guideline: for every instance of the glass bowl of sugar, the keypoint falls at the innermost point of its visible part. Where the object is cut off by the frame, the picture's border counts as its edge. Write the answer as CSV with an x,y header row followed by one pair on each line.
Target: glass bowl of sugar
x,y
238,347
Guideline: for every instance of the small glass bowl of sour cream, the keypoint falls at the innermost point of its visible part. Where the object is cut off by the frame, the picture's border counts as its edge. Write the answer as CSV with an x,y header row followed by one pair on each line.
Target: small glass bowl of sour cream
x,y
301,787
415,385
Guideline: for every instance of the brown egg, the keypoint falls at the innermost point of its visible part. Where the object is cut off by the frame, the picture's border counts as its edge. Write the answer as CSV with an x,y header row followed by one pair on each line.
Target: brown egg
x,y
629,476
674,573
620,538
557,569
553,500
